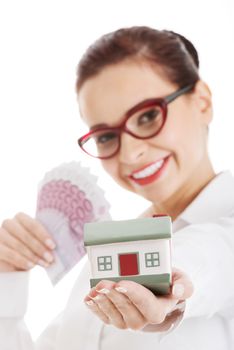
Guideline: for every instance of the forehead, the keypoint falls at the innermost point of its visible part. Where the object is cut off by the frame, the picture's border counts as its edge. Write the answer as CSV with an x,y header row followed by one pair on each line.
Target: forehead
x,y
106,97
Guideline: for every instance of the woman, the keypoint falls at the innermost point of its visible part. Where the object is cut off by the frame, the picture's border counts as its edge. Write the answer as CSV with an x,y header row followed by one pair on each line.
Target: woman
x,y
148,112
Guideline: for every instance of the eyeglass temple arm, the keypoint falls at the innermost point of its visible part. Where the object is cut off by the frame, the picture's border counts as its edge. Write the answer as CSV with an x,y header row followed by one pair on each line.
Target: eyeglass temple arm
x,y
175,94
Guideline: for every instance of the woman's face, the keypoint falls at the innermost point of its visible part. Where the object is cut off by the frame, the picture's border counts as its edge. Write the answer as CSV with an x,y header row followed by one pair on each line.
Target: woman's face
x,y
162,166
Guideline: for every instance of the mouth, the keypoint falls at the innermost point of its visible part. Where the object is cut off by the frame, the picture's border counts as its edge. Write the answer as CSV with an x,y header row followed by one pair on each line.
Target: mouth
x,y
150,173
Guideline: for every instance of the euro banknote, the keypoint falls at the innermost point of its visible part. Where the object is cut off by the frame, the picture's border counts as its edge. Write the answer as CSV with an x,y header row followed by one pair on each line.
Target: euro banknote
x,y
69,197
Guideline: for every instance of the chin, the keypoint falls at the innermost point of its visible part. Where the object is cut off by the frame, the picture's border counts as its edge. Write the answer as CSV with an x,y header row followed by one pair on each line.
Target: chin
x,y
156,194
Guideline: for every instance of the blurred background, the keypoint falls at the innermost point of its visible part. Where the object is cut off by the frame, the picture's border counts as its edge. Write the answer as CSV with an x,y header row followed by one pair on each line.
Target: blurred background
x,y
41,43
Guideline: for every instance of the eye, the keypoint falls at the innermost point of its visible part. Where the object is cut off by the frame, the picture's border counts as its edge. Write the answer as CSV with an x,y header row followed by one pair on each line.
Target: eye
x,y
105,137
148,116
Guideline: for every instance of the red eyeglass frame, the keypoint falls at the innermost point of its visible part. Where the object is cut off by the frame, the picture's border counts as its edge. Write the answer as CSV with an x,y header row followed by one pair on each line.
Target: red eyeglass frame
x,y
161,102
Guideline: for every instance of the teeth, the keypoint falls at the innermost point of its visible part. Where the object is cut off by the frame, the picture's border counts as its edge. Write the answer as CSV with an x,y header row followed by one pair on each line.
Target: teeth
x,y
148,171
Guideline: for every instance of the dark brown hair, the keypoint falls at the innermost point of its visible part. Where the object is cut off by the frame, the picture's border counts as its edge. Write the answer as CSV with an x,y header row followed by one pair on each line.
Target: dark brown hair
x,y
172,52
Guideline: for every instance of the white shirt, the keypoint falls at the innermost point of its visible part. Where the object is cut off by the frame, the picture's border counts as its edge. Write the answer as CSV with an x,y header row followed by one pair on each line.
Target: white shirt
x,y
203,246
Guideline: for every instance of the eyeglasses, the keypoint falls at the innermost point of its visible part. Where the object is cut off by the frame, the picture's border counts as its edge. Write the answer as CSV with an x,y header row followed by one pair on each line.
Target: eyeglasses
x,y
143,121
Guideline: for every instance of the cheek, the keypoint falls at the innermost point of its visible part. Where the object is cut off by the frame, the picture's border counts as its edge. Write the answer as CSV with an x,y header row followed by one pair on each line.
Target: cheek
x,y
189,146
183,138
111,167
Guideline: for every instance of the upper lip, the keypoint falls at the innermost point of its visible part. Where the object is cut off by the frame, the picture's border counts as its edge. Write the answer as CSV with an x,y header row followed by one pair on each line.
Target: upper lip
x,y
146,166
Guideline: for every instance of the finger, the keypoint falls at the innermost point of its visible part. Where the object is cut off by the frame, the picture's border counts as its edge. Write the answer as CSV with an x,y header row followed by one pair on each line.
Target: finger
x,y
145,301
109,309
95,309
98,295
36,228
25,237
16,245
130,314
181,289
13,258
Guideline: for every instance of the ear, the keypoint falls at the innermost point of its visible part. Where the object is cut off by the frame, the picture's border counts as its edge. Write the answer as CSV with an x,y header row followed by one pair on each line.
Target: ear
x,y
203,100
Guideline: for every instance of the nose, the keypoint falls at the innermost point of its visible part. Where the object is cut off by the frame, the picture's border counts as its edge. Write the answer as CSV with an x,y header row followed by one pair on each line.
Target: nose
x,y
131,149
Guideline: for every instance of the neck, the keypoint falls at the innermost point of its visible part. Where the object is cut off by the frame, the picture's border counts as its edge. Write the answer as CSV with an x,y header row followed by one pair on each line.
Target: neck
x,y
177,203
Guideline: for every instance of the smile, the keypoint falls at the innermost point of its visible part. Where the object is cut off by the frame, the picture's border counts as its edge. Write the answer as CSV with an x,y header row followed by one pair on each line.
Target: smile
x,y
149,173
149,170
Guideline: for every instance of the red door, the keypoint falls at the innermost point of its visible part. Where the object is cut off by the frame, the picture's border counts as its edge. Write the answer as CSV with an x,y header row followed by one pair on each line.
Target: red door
x,y
128,264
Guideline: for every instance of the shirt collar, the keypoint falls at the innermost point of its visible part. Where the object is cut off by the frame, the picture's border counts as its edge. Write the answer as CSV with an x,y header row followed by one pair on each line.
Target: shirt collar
x,y
215,200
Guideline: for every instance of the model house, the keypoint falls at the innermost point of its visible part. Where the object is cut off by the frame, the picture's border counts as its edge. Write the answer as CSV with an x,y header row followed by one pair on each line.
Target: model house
x,y
137,250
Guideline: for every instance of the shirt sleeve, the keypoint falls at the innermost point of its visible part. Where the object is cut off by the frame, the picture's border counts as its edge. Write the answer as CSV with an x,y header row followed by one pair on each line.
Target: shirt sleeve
x,y
206,253
14,334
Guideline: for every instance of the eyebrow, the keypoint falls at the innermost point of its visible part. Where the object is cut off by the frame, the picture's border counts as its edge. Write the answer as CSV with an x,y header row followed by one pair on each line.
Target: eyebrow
x,y
105,125
98,126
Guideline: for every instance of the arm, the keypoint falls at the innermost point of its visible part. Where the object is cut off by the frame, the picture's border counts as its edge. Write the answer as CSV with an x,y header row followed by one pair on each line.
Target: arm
x,y
206,253
13,291
14,334
22,245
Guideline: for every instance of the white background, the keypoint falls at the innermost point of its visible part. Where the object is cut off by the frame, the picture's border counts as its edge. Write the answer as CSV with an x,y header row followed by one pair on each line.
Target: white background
x,y
40,45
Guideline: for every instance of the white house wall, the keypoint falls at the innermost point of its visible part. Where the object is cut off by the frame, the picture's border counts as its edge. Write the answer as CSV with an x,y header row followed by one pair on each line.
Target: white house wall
x,y
141,247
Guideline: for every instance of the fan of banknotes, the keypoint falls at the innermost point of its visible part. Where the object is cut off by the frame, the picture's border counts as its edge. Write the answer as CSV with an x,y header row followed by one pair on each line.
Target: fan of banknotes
x,y
69,197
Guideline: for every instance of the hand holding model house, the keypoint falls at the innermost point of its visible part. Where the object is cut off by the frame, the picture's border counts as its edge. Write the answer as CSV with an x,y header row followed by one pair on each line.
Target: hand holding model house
x,y
133,284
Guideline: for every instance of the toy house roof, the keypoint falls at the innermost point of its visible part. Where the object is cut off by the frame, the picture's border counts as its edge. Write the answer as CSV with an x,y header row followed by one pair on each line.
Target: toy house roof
x,y
97,233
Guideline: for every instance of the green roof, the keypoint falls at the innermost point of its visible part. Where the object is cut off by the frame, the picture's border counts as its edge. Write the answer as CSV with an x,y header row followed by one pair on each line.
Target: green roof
x,y
105,232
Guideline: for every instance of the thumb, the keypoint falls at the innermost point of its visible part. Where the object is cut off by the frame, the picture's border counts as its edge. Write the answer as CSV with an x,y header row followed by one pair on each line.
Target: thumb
x,y
182,287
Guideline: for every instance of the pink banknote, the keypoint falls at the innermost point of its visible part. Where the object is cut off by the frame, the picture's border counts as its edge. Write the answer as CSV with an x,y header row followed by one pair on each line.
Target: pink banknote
x,y
69,197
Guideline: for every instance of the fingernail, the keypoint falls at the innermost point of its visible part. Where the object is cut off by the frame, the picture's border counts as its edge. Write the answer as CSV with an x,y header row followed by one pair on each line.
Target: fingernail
x,y
103,291
50,243
30,265
121,289
48,257
178,290
98,297
89,303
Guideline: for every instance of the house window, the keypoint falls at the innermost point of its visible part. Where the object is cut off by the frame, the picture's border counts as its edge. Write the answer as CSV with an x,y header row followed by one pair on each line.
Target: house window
x,y
152,259
104,263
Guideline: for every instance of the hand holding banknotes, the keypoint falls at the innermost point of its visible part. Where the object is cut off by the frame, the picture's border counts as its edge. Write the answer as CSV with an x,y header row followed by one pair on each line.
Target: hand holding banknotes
x,y
68,197
24,243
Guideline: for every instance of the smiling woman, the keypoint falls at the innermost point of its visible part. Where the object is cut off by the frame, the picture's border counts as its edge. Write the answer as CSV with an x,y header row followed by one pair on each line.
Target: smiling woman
x,y
140,93
148,112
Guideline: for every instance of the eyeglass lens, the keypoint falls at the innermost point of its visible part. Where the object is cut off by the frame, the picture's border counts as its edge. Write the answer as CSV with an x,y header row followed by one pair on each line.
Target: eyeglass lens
x,y
143,124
